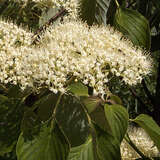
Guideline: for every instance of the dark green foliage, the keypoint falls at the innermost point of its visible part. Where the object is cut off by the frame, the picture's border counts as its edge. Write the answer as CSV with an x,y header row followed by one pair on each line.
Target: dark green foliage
x,y
49,144
134,26
108,147
73,120
117,117
23,13
11,112
93,11
82,152
78,89
91,126
87,12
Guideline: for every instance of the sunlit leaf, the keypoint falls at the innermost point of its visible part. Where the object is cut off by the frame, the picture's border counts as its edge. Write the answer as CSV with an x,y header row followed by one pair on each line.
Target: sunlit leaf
x,y
108,147
91,103
78,89
73,119
93,11
115,99
117,117
134,25
49,144
82,152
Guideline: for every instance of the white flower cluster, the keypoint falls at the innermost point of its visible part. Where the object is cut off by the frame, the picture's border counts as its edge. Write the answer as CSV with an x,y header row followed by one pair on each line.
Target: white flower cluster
x,y
11,37
142,141
92,55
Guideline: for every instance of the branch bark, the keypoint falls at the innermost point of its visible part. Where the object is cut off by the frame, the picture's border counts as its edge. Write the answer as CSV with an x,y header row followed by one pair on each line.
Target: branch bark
x,y
36,35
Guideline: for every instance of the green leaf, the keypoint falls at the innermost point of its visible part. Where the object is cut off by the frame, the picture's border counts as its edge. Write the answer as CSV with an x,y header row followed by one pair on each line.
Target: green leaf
x,y
112,10
50,144
46,105
117,117
78,89
108,148
73,119
150,126
135,26
11,112
5,148
93,11
30,125
82,152
156,3
3,99
115,99
15,91
92,103
98,116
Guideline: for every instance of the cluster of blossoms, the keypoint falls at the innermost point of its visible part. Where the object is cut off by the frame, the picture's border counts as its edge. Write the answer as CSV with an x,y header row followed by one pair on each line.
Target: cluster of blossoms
x,y
92,55
11,38
142,141
70,5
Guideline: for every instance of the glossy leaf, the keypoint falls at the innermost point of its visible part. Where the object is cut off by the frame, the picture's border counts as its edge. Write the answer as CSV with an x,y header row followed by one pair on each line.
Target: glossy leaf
x,y
73,119
91,103
49,144
46,105
112,10
117,117
82,152
78,89
98,116
115,99
108,147
30,125
150,126
93,11
14,91
11,112
134,26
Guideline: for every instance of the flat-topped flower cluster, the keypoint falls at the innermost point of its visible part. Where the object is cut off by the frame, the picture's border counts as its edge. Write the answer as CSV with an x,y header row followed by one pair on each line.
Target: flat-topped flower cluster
x,y
11,39
92,55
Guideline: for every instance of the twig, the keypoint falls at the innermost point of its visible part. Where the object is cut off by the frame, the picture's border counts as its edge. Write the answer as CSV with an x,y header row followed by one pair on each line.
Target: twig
x,y
61,13
117,3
